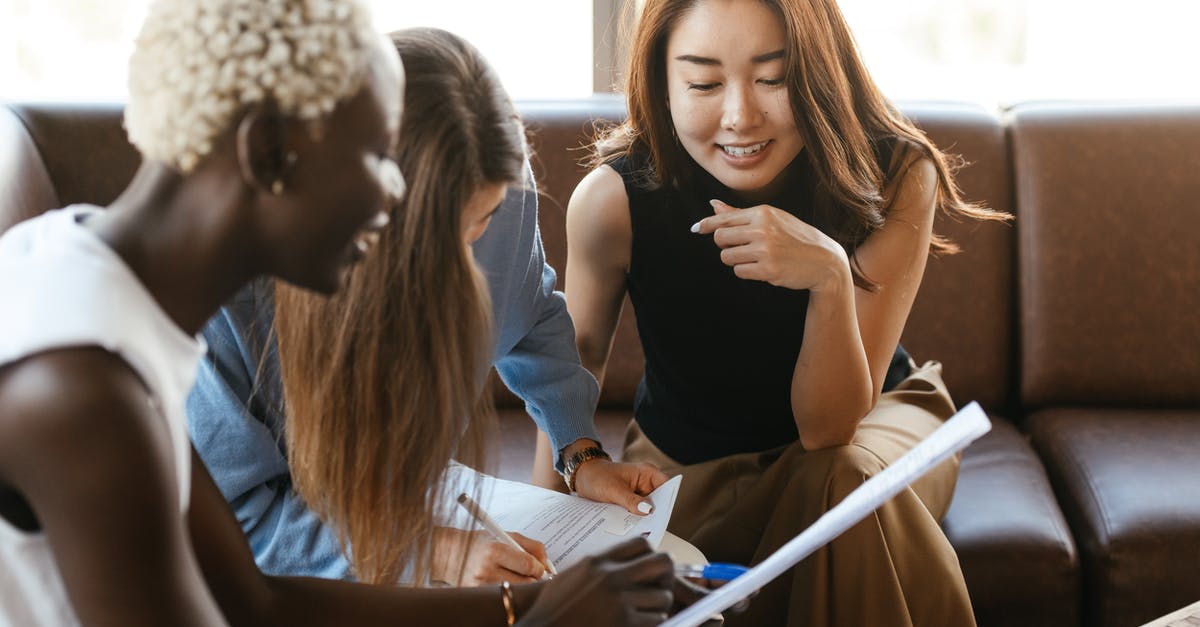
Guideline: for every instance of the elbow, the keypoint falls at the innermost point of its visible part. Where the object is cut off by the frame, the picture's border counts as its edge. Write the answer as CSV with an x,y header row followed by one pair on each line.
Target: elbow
x,y
832,427
593,356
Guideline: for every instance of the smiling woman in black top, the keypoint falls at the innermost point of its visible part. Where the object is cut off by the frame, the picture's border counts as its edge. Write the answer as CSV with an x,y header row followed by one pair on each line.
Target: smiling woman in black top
x,y
769,214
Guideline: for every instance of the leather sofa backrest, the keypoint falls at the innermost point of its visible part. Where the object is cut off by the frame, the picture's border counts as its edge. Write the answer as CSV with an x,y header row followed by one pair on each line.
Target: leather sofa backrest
x,y
559,132
963,316
83,151
1109,253
25,185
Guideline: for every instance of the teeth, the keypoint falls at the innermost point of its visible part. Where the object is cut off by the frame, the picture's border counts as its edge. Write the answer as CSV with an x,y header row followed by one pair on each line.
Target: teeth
x,y
365,241
742,151
380,220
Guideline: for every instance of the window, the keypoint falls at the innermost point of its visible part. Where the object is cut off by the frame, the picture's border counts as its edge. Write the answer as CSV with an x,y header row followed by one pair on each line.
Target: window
x,y
1002,51
992,51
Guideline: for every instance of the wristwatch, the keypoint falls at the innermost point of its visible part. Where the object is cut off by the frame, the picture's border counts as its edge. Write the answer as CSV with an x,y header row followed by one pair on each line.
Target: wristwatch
x,y
575,461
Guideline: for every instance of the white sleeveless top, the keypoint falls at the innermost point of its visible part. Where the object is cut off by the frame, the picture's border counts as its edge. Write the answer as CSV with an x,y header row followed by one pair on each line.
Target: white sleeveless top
x,y
64,287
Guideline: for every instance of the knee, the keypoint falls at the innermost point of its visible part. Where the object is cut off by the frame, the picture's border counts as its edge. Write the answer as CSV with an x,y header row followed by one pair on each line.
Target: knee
x,y
848,467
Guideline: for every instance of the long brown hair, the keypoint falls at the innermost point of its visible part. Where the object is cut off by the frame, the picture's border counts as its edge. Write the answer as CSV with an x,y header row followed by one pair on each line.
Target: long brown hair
x,y
385,382
843,118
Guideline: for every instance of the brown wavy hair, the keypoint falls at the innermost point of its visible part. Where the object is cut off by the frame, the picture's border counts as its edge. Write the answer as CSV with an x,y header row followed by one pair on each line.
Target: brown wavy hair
x,y
385,382
843,118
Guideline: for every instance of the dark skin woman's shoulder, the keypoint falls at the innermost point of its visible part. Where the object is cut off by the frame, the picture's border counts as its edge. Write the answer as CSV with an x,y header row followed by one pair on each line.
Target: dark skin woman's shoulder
x,y
90,459
73,406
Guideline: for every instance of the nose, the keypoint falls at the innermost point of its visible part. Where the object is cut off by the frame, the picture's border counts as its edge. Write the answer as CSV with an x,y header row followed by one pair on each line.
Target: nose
x,y
741,110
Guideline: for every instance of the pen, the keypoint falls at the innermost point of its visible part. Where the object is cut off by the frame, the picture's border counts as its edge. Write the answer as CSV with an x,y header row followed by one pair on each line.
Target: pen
x,y
488,523
716,572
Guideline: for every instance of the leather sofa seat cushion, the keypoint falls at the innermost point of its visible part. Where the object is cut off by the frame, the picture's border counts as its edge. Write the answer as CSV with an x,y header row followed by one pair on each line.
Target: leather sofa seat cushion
x,y
1128,481
1014,545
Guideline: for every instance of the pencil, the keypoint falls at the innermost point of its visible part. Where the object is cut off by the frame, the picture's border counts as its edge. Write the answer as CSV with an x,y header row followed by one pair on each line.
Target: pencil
x,y
488,523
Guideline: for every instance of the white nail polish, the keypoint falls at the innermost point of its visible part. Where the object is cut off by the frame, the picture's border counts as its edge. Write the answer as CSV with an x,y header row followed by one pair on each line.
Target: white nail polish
x,y
645,507
696,227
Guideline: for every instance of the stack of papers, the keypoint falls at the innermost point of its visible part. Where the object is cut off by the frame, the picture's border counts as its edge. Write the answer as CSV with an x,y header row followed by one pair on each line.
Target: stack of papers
x,y
571,527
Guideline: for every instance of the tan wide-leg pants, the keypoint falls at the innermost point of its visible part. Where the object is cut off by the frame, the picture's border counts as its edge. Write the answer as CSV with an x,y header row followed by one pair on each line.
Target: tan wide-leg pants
x,y
895,568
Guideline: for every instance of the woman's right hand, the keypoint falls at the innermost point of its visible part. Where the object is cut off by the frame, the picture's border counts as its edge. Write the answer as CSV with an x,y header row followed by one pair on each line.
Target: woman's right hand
x,y
627,585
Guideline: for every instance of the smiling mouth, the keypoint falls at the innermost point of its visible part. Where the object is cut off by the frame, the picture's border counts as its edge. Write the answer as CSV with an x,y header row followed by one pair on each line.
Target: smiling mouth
x,y
743,151
369,236
365,241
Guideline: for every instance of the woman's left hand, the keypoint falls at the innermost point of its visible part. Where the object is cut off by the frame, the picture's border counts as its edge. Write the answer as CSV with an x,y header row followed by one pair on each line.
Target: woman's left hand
x,y
620,483
764,243
488,560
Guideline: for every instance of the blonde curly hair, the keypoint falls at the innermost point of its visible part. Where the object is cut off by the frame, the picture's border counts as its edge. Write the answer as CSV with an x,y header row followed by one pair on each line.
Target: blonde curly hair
x,y
198,63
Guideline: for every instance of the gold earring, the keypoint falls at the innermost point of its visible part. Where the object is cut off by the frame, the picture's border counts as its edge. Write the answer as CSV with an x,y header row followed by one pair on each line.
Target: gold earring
x,y
277,187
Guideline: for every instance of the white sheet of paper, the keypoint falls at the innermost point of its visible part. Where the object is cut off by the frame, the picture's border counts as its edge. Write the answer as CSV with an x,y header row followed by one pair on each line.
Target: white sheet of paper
x,y
571,527
959,431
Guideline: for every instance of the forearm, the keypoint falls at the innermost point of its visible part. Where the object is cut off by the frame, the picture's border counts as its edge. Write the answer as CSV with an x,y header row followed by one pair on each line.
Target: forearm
x,y
544,460
832,387
300,601
288,538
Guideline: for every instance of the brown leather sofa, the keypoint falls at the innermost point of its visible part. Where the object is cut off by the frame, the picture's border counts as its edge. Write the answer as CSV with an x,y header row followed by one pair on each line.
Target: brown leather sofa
x,y
1077,329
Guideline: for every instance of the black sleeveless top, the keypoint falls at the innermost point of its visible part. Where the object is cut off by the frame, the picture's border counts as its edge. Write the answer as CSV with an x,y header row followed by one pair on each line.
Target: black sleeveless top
x,y
720,351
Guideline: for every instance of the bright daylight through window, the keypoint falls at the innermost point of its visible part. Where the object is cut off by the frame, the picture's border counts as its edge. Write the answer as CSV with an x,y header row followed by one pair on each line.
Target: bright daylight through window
x,y
989,51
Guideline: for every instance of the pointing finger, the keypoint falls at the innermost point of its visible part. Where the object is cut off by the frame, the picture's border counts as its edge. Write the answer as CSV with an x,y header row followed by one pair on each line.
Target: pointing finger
x,y
712,223
728,236
720,206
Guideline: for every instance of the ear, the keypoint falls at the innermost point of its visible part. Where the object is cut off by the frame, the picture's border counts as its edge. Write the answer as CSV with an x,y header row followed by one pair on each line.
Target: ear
x,y
261,150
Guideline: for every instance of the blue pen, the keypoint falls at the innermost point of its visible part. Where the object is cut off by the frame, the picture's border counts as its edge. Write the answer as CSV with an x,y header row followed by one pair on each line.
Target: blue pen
x,y
715,572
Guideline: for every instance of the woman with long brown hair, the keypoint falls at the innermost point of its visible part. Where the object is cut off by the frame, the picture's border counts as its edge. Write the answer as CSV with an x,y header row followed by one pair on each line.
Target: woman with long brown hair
x,y
769,213
385,382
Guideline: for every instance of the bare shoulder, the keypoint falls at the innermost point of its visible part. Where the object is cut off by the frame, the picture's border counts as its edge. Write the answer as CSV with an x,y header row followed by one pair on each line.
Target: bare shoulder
x,y
601,197
598,216
912,191
83,408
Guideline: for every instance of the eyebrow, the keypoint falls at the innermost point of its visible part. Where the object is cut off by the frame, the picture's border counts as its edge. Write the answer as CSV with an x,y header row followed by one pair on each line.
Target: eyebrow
x,y
698,60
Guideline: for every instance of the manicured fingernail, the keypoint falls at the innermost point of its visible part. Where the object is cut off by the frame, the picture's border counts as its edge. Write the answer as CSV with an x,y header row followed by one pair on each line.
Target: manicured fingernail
x,y
696,227
714,202
645,507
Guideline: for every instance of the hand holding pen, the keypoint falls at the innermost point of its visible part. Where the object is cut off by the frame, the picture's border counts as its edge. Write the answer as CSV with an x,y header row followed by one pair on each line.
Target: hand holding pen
x,y
492,527
694,581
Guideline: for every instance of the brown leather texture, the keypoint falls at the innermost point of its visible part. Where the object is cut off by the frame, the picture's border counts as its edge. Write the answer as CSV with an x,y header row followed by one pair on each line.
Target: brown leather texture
x,y
1109,253
963,314
1128,481
559,133
25,185
84,147
1016,551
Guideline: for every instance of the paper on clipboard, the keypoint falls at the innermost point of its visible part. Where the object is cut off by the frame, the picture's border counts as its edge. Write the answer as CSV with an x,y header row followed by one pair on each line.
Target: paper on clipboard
x,y
571,527
959,431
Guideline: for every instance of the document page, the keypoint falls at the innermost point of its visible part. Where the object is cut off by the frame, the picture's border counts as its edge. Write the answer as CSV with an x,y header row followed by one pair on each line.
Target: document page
x,y
1187,617
571,527
959,431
